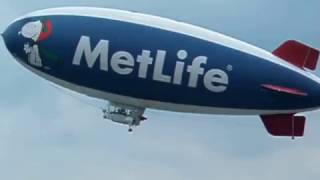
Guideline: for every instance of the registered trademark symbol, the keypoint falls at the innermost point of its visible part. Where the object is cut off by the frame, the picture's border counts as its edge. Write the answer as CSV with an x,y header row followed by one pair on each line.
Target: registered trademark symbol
x,y
229,67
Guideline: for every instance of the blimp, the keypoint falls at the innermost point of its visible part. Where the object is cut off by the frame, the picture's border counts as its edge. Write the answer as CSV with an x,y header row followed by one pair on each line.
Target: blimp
x,y
137,62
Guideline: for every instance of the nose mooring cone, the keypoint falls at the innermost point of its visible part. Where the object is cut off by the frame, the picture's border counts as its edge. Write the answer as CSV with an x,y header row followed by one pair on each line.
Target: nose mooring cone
x,y
2,34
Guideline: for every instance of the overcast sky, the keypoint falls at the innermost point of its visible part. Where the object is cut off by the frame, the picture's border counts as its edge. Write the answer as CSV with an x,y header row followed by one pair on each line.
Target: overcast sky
x,y
45,134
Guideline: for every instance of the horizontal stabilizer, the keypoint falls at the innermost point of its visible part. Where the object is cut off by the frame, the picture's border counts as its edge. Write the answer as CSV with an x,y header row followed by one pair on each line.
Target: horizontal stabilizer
x,y
286,90
284,125
298,54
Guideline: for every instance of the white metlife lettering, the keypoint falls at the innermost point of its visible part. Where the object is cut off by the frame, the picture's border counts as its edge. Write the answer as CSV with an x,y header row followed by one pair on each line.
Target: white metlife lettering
x,y
145,60
122,58
158,68
124,63
196,70
216,80
178,71
84,47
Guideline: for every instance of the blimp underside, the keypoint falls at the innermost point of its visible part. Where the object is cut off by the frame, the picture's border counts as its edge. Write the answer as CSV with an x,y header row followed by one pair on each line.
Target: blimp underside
x,y
140,61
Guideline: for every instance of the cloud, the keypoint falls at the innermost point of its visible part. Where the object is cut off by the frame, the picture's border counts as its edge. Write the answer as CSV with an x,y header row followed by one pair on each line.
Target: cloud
x,y
77,143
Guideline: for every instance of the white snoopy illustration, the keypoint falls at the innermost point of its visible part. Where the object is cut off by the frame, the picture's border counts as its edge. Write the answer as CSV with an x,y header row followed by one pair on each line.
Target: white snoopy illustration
x,y
33,31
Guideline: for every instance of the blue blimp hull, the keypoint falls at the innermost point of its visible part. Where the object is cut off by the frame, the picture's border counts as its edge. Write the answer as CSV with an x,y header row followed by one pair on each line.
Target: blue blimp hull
x,y
151,62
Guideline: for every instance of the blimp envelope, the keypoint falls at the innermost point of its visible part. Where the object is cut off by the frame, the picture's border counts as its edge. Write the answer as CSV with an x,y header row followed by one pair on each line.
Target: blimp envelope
x,y
139,61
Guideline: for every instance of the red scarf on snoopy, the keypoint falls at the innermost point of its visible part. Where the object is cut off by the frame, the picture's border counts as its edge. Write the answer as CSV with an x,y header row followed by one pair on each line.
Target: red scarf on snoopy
x,y
46,31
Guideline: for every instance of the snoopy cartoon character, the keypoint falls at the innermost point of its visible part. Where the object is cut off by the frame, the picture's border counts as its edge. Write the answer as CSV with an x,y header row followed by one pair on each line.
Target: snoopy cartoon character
x,y
36,31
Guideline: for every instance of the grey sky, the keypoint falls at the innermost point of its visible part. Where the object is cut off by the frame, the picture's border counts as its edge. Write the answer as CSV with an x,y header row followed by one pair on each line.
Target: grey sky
x,y
46,134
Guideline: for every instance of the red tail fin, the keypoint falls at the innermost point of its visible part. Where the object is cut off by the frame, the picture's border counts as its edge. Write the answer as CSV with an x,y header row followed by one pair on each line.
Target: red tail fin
x,y
284,124
298,54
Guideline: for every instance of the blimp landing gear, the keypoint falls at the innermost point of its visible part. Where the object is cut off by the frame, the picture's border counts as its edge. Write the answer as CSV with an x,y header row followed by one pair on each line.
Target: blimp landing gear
x,y
123,114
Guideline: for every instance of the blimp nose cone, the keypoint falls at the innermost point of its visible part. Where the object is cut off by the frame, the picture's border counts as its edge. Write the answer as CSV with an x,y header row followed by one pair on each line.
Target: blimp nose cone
x,y
2,34
9,39
6,34
6,38
14,41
